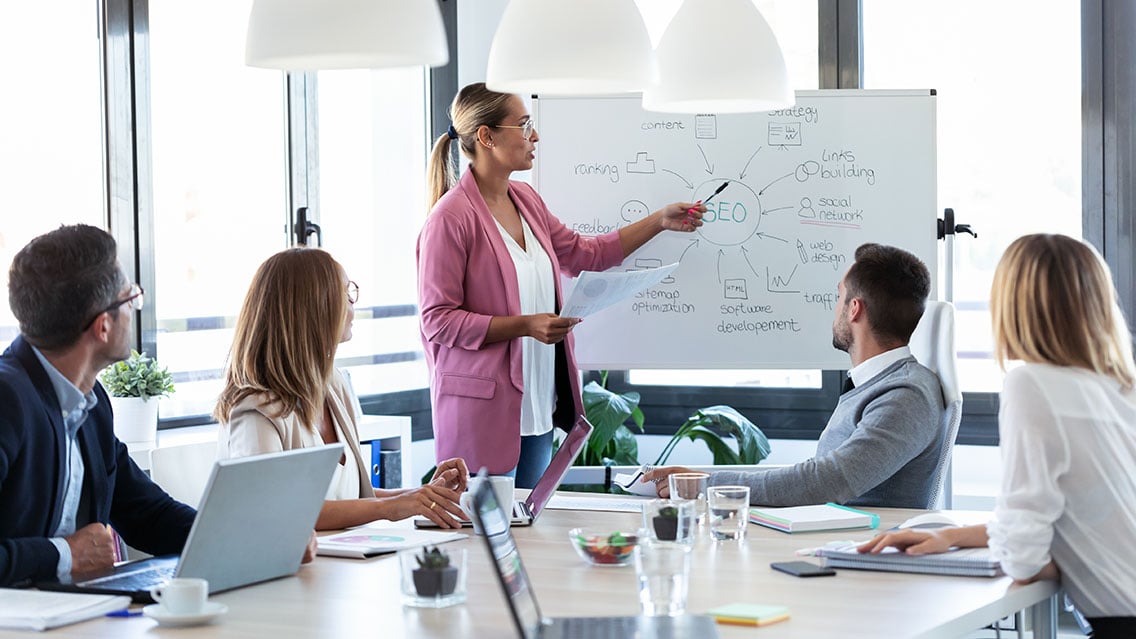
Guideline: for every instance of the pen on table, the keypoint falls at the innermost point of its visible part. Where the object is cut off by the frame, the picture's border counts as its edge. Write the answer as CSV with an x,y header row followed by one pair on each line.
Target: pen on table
x,y
125,612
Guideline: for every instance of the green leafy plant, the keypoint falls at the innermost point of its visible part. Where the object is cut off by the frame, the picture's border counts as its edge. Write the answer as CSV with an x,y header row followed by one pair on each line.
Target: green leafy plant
x,y
753,446
137,376
433,558
611,441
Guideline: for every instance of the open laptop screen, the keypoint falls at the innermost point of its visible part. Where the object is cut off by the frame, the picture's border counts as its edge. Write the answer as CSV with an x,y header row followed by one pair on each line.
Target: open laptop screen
x,y
563,459
507,561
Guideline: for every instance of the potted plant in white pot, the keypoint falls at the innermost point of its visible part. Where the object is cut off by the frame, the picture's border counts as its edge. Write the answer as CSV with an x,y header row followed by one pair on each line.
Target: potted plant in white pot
x,y
135,385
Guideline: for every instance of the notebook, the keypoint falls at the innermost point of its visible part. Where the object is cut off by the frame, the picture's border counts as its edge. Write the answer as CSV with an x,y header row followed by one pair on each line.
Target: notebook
x,y
810,518
962,562
255,520
524,513
365,541
521,598
38,610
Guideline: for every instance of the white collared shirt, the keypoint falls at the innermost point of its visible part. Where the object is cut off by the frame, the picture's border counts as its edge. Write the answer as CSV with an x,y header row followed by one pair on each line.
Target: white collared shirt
x,y
873,366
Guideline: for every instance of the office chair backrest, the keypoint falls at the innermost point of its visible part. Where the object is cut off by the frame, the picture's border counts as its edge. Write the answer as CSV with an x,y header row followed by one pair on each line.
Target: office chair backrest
x,y
933,345
183,471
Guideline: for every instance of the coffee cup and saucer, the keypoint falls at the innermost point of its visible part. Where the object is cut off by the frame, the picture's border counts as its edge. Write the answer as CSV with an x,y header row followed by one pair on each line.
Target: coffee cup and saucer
x,y
183,602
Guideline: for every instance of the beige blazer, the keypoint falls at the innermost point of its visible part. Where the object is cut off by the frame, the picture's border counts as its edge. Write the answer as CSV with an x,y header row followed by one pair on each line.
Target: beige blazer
x,y
252,428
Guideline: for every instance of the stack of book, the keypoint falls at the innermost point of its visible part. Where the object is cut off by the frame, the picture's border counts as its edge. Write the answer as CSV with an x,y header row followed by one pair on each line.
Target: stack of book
x,y
812,518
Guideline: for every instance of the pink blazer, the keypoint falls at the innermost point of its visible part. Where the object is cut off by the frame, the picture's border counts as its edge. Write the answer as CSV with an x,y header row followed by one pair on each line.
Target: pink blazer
x,y
465,278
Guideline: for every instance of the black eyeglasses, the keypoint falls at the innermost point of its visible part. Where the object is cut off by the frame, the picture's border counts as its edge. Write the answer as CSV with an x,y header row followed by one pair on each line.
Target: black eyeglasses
x,y
352,292
136,299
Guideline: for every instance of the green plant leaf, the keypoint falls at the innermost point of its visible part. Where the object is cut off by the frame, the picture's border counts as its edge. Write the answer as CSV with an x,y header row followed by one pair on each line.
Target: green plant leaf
x,y
625,448
753,445
607,411
137,376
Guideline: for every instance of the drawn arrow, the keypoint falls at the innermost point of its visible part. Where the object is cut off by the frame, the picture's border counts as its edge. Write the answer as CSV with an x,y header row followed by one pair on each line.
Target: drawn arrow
x,y
693,243
741,176
684,180
709,167
720,254
772,237
780,208
745,254
762,191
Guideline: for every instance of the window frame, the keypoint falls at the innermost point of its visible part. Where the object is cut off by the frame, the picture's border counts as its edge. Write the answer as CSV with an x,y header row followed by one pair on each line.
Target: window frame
x,y
1109,183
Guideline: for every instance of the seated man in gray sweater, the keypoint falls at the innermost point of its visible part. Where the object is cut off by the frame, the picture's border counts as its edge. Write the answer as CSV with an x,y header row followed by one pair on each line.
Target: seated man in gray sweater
x,y
884,439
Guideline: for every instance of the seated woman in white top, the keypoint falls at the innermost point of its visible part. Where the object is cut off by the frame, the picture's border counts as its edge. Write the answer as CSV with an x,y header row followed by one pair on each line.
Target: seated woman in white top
x,y
1067,508
283,392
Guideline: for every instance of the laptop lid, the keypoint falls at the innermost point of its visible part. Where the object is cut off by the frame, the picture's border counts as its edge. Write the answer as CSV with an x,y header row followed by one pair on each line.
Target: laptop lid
x,y
257,516
565,456
506,560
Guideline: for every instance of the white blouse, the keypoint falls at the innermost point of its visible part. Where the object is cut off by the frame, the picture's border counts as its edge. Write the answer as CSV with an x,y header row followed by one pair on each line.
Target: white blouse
x,y
1068,442
538,360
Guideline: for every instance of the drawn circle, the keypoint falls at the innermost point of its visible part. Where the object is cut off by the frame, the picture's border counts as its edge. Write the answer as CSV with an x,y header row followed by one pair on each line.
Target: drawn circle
x,y
733,216
805,169
633,210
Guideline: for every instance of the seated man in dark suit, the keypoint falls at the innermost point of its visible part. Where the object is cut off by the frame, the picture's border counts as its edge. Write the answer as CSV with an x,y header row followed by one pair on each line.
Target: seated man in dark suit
x,y
64,477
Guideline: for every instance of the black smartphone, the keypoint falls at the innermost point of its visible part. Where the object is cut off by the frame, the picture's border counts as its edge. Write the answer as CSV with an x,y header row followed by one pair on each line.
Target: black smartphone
x,y
802,569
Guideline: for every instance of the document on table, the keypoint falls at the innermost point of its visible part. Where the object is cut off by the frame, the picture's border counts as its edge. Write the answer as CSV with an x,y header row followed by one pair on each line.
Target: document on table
x,y
581,502
594,291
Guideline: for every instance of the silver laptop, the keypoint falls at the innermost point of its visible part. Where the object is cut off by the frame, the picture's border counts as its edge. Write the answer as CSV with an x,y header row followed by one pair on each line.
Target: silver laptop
x,y
525,512
255,520
519,594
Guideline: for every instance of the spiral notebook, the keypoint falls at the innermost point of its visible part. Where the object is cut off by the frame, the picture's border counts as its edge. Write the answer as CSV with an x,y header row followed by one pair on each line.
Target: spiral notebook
x,y
962,562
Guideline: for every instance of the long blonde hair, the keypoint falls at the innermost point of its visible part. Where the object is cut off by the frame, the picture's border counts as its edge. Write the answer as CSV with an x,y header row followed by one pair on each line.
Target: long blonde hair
x,y
473,107
1053,301
287,333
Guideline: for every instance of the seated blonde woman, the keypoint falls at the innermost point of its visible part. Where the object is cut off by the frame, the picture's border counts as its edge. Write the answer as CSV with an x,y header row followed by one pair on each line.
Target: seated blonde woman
x,y
1067,508
282,391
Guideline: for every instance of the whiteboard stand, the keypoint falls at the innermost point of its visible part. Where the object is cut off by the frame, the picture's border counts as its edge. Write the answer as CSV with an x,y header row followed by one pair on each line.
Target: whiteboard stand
x,y
947,229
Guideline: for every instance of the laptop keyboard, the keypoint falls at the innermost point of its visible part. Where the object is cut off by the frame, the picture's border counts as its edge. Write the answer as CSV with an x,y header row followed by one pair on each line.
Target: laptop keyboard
x,y
596,628
136,581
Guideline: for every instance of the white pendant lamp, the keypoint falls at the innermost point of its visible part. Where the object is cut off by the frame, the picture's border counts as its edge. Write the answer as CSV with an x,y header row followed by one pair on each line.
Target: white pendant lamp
x,y
719,56
307,35
570,47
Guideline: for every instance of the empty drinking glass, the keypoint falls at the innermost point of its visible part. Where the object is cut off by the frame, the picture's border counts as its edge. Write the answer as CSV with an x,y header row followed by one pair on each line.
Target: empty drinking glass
x,y
663,569
691,486
729,510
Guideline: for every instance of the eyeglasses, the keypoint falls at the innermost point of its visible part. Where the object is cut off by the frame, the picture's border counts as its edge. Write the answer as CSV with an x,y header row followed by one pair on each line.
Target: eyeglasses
x,y
136,299
526,129
352,292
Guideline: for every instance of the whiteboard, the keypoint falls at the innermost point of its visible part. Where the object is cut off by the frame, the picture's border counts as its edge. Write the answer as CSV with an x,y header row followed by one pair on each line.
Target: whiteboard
x,y
756,285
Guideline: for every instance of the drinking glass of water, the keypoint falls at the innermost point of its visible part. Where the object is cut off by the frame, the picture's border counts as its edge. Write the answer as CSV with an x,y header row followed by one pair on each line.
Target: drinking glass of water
x,y
663,569
729,509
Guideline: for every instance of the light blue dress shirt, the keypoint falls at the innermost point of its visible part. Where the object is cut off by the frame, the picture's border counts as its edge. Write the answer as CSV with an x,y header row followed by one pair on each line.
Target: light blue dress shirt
x,y
74,406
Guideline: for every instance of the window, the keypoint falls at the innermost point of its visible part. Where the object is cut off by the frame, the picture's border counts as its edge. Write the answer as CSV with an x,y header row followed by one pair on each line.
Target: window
x,y
795,25
51,128
219,183
372,202
1009,139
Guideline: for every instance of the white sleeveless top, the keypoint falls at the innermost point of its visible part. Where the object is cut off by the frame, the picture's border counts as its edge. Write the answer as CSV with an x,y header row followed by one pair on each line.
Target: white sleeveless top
x,y
538,295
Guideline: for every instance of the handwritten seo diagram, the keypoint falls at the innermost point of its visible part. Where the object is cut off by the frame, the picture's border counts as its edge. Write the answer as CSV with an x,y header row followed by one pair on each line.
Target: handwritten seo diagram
x,y
756,284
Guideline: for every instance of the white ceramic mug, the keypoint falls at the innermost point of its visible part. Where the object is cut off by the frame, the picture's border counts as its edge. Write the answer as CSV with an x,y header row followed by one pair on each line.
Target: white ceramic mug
x,y
503,490
182,596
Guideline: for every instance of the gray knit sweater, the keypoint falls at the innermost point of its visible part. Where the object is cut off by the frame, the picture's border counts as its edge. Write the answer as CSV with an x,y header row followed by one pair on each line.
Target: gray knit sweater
x,y
880,448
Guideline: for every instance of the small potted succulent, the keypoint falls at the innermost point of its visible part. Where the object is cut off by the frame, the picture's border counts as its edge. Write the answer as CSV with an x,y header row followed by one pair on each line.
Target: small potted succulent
x,y
434,577
665,522
135,385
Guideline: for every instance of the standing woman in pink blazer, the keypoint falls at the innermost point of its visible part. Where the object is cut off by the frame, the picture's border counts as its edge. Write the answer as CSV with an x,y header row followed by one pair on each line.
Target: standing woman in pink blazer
x,y
502,368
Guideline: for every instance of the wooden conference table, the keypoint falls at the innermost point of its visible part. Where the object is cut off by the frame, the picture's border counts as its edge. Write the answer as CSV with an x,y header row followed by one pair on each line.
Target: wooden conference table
x,y
344,597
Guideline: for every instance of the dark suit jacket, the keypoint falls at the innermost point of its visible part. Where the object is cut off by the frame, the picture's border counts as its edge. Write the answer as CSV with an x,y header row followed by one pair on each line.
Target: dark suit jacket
x,y
32,449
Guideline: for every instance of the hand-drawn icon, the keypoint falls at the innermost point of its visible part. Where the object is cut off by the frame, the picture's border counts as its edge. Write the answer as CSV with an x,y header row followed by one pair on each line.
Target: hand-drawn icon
x,y
644,263
802,252
633,211
784,133
806,209
735,289
778,284
807,169
706,126
642,164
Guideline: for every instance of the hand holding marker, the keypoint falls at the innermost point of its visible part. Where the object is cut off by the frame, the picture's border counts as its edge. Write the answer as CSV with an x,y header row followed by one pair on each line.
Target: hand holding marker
x,y
718,190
